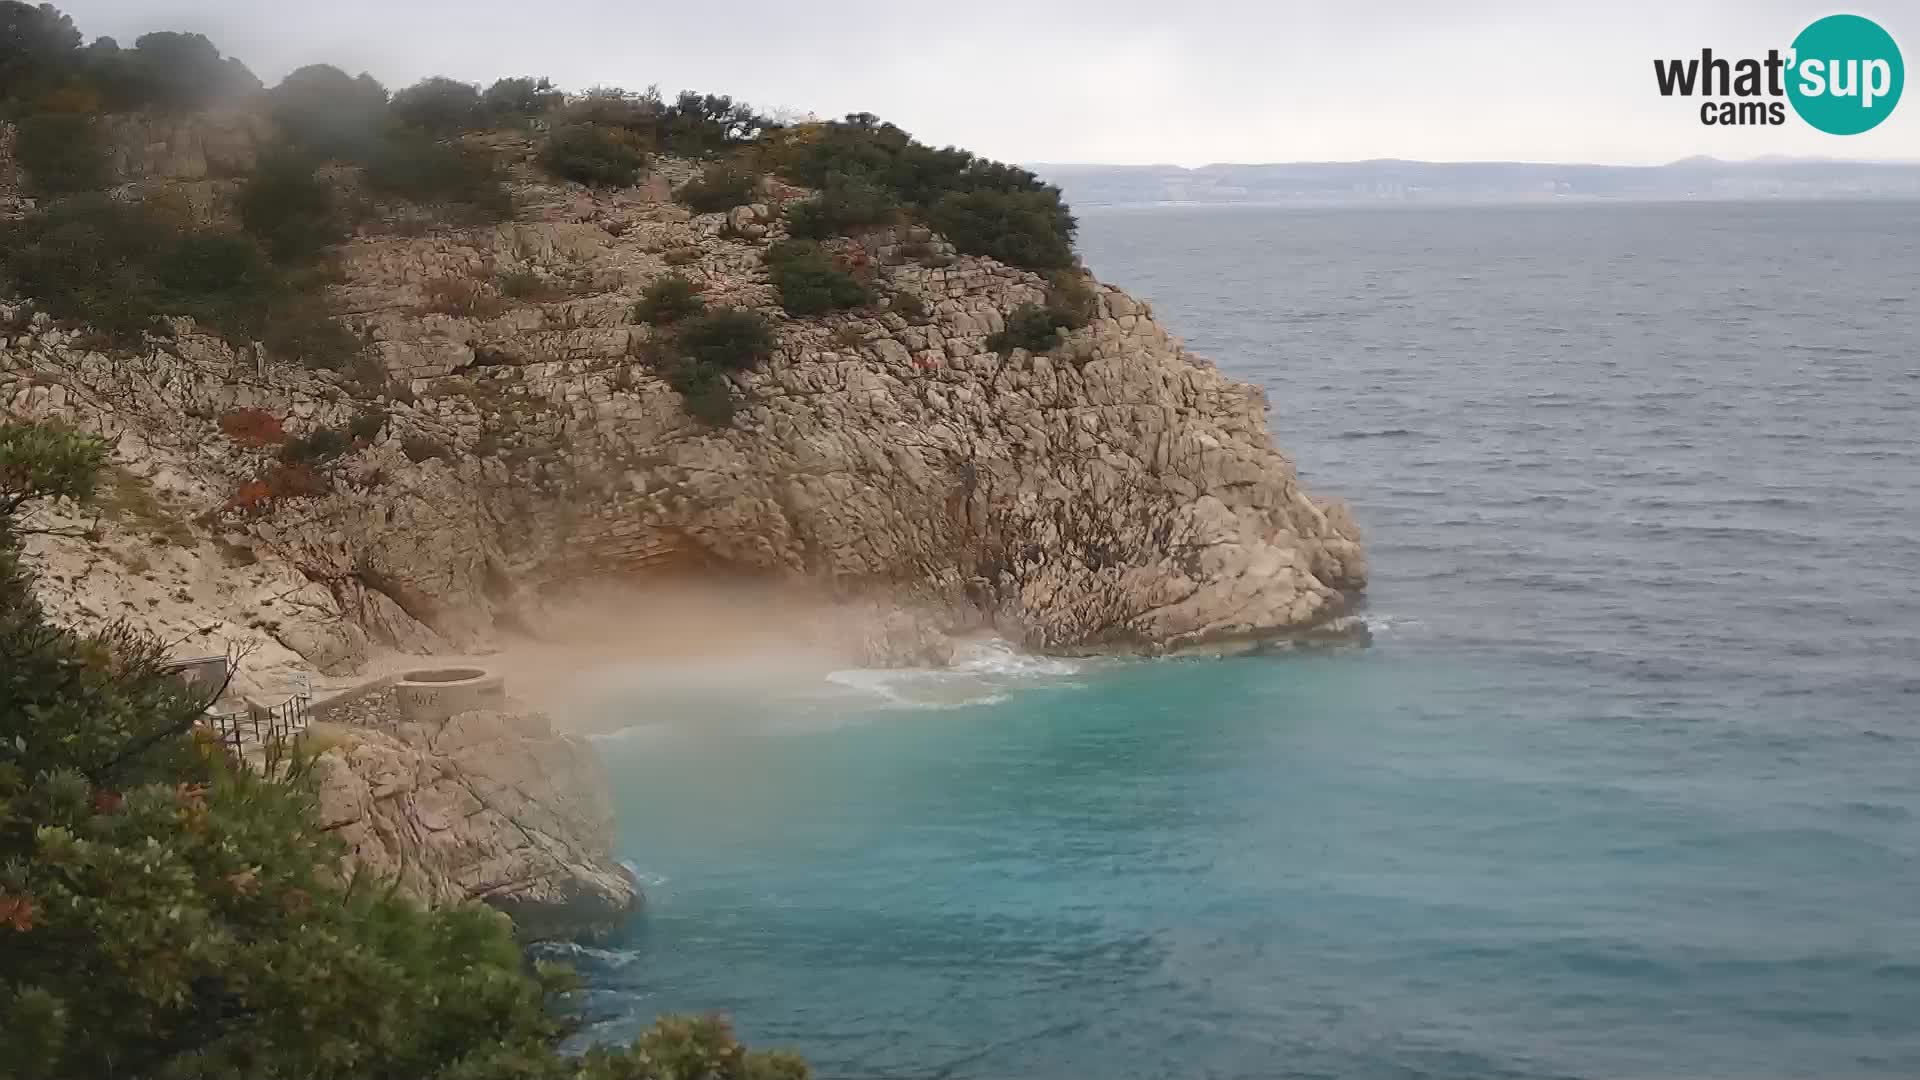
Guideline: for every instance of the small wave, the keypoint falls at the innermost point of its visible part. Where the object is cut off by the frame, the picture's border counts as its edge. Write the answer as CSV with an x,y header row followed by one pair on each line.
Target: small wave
x,y
996,657
587,955
983,673
1383,624
630,732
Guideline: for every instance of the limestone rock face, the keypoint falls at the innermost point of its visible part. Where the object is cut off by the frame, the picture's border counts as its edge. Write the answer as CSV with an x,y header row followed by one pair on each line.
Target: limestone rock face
x,y
1114,492
193,146
489,806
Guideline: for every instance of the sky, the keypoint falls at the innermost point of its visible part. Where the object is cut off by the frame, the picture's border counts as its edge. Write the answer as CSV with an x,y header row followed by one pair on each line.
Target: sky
x,y
1186,82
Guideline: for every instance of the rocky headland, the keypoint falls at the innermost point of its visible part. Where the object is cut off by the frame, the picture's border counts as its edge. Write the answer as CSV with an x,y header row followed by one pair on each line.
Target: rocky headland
x,y
510,436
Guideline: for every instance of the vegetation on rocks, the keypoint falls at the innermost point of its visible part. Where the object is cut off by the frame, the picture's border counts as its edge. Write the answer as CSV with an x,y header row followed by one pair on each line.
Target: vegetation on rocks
x,y
668,299
733,339
984,207
289,209
720,187
594,155
1038,327
168,913
62,152
810,281
845,204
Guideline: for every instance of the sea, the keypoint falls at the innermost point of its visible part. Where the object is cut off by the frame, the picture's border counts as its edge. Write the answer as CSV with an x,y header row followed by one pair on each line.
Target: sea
x,y
1627,785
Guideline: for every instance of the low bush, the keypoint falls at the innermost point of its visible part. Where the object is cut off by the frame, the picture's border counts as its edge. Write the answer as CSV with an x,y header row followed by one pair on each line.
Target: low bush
x,y
846,203
810,281
519,99
420,170
287,480
732,339
593,155
254,428
705,390
63,153
698,125
317,447
985,207
719,188
1030,327
420,448
529,286
322,111
438,106
1020,228
301,331
118,266
464,297
289,209
1071,300
667,300
367,426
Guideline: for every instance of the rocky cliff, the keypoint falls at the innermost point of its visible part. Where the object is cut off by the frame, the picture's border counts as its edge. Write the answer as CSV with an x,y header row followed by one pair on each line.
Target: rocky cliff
x,y
494,807
509,433
1118,492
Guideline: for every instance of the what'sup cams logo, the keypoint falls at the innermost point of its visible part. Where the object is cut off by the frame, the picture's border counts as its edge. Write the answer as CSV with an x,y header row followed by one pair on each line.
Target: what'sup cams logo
x,y
1843,75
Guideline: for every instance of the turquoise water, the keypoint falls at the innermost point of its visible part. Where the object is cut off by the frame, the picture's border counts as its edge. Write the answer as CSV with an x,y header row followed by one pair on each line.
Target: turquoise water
x,y
1626,786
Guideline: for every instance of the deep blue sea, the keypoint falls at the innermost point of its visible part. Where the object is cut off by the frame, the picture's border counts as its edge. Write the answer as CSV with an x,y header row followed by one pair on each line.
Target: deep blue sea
x,y
1628,785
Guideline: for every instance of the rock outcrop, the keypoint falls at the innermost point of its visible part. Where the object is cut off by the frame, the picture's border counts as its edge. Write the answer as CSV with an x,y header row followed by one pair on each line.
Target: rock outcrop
x,y
494,807
1117,492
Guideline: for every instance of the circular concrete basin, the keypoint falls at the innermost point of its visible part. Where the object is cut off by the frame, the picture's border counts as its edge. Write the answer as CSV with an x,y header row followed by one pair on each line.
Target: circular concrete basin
x,y
431,695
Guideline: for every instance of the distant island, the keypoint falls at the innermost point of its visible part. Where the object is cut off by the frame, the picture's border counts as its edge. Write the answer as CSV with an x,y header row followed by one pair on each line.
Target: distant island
x,y
1392,180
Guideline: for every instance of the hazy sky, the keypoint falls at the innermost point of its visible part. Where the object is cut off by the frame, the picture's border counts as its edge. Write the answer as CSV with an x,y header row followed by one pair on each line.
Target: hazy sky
x,y
1116,81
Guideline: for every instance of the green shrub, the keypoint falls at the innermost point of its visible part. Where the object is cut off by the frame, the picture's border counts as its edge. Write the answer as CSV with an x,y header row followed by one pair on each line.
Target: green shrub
x,y
697,125
845,204
39,46
117,266
290,209
720,187
1030,327
173,72
420,170
519,99
1020,228
419,448
705,390
593,155
530,286
366,427
302,331
169,912
985,207
732,339
318,446
809,281
668,299
438,106
1071,300
321,111
63,153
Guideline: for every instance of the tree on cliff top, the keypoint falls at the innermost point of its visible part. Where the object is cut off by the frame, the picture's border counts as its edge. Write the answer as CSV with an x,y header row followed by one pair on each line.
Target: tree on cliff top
x,y
166,914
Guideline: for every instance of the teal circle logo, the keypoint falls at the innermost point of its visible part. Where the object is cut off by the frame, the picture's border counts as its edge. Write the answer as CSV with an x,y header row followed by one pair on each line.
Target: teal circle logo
x,y
1846,75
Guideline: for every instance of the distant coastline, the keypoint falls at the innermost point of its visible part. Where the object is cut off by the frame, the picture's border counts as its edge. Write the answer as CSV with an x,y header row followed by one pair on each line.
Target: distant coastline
x,y
1332,183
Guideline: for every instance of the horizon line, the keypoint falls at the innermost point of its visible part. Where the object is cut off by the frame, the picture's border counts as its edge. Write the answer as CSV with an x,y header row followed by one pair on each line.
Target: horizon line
x,y
1764,159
